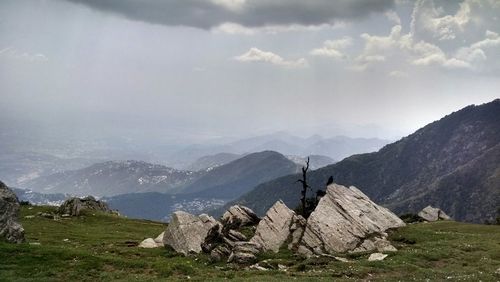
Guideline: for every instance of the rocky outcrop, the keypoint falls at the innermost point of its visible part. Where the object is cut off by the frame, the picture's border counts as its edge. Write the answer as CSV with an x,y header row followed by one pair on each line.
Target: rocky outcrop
x,y
75,206
346,220
186,232
433,214
277,227
10,229
238,216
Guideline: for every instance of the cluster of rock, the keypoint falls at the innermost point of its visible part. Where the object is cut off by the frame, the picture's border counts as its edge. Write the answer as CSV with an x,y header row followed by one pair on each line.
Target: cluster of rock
x,y
10,229
430,214
345,220
75,206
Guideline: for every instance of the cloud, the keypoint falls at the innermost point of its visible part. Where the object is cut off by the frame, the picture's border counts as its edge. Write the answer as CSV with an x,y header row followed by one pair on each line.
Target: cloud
x,y
428,18
392,16
333,48
14,54
398,74
208,14
238,29
257,55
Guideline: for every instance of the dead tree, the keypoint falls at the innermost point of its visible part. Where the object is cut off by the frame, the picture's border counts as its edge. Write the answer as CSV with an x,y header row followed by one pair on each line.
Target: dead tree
x,y
305,186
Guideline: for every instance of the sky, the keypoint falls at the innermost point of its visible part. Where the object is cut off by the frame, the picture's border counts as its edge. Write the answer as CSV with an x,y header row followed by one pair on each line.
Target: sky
x,y
201,69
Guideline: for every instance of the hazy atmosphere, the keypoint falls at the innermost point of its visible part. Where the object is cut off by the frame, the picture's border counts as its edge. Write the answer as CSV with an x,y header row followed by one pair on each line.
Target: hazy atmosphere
x,y
234,68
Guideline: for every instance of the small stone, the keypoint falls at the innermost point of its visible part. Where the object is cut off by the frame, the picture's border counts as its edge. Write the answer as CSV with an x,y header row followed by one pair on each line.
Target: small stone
x,y
148,243
377,257
257,267
430,213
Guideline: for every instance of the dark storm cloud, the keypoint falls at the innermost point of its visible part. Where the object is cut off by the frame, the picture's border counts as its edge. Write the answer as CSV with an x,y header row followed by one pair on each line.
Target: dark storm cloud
x,y
206,14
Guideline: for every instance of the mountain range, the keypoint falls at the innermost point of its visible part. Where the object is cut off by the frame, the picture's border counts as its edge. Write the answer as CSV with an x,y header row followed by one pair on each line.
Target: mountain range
x,y
113,178
452,163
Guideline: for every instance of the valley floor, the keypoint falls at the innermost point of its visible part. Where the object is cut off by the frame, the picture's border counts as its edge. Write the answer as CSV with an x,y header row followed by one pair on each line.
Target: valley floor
x,y
99,247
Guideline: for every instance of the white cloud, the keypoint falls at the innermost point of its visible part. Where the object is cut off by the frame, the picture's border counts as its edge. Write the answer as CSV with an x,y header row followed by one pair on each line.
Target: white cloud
x,y
14,54
234,28
392,16
427,17
257,55
238,29
333,48
233,5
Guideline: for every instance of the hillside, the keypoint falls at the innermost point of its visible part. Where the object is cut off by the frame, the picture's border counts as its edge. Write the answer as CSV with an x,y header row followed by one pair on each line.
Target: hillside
x,y
234,179
113,178
38,198
452,163
98,247
211,161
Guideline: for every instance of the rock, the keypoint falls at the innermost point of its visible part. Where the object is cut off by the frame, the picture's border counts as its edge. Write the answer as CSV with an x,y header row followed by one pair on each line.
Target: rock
x,y
297,229
244,252
238,216
148,243
74,206
433,214
45,215
346,220
257,267
10,229
274,229
234,235
379,243
186,232
376,257
219,253
159,239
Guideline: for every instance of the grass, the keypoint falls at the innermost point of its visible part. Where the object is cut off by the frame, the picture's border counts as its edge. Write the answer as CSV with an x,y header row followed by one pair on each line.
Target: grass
x,y
95,247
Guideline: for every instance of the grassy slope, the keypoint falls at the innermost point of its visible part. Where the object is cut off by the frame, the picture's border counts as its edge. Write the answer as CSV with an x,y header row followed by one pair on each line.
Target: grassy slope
x,y
96,250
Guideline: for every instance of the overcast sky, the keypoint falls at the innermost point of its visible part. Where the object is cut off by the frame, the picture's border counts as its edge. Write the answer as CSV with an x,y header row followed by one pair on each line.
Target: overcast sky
x,y
244,67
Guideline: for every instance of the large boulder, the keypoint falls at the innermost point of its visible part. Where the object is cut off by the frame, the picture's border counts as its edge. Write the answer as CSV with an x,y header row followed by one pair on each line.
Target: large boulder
x,y
346,220
10,229
75,206
275,228
238,216
186,232
430,213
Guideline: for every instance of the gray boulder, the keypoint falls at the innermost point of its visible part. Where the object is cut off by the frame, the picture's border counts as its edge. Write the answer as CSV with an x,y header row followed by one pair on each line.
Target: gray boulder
x,y
186,232
244,252
75,206
346,220
10,229
276,227
238,216
433,214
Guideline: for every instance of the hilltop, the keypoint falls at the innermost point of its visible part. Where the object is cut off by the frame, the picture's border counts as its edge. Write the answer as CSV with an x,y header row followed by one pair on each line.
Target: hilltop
x,y
101,247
